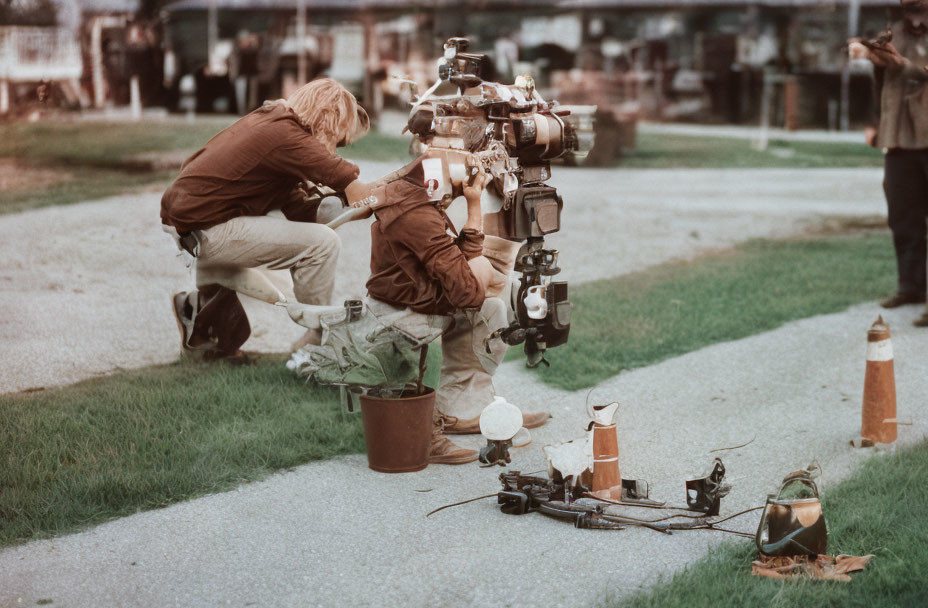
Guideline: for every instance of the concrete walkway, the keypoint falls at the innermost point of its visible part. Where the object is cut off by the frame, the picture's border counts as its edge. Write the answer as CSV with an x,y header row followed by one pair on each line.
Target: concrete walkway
x,y
85,289
335,533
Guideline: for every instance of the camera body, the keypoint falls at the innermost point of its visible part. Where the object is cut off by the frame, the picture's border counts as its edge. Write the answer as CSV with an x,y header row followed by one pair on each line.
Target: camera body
x,y
513,134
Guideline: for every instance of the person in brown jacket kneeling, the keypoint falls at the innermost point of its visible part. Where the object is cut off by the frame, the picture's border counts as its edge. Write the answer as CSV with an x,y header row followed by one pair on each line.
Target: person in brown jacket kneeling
x,y
236,207
416,263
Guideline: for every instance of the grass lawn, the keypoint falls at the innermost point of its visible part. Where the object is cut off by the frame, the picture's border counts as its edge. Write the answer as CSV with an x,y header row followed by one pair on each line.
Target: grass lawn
x,y
665,151
639,319
78,455
145,439
86,143
58,162
882,509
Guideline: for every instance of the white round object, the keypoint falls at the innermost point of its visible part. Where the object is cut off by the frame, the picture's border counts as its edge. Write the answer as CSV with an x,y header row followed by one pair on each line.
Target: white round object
x,y
500,420
536,306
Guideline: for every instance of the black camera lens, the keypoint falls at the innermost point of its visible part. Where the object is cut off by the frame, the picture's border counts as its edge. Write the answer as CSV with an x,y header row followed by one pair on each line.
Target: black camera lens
x,y
528,133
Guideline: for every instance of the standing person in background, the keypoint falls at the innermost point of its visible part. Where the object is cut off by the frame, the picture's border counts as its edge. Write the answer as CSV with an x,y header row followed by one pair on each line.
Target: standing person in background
x,y
902,86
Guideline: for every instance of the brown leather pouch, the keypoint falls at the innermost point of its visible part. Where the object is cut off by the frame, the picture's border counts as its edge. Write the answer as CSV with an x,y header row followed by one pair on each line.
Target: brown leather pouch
x,y
792,526
535,211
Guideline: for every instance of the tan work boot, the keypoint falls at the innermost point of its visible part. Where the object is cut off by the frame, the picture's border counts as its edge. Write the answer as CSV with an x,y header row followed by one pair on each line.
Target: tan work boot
x,y
471,426
442,450
534,420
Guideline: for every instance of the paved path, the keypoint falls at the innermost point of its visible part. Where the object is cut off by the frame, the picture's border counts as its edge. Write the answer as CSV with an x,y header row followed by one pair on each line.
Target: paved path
x,y
335,533
84,289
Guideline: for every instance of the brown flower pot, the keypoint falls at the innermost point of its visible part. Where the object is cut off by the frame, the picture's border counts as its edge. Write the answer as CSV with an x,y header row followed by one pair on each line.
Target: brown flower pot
x,y
398,432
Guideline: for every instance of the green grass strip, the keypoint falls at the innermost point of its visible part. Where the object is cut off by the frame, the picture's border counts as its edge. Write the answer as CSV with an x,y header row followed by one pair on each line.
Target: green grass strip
x,y
639,319
86,184
665,151
881,509
144,439
100,159
103,144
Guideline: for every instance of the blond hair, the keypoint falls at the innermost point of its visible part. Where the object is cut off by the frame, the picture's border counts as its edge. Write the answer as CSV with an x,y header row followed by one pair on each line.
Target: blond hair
x,y
329,110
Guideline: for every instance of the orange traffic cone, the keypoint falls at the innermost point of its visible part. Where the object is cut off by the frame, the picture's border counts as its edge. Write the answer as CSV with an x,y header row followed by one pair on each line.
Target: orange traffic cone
x,y
878,423
607,480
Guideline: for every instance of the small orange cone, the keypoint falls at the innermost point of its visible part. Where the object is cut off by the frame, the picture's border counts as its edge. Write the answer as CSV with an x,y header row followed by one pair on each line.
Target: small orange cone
x,y
879,405
607,480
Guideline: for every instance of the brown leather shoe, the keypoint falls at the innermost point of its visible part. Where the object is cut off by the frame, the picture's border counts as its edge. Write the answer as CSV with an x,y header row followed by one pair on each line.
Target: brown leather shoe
x,y
922,321
461,426
901,299
442,450
532,421
471,426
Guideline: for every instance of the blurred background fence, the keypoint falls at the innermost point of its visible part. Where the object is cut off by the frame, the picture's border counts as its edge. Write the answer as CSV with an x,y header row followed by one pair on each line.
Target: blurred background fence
x,y
618,61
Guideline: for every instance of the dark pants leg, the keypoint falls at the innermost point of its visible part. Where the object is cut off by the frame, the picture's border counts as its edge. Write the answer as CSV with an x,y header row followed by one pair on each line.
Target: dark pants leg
x,y
905,183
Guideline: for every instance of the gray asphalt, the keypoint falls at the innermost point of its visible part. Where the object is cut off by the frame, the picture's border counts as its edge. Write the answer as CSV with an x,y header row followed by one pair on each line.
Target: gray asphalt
x,y
85,289
335,533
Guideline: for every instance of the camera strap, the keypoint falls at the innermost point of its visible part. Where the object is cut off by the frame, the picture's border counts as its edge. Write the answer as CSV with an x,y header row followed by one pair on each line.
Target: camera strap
x,y
447,219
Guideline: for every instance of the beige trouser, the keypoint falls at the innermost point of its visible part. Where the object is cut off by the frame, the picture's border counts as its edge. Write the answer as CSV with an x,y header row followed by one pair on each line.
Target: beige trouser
x,y
466,383
466,386
309,251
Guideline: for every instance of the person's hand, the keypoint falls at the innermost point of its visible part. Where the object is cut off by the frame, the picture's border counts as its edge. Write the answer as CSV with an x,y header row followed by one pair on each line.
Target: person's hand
x,y
856,50
474,191
472,194
870,136
886,56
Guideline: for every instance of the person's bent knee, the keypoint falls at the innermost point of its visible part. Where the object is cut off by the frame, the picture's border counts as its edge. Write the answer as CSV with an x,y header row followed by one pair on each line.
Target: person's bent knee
x,y
328,242
494,309
322,243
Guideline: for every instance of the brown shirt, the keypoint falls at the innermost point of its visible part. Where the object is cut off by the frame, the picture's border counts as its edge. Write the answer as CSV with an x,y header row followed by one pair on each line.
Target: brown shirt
x,y
251,168
414,261
904,94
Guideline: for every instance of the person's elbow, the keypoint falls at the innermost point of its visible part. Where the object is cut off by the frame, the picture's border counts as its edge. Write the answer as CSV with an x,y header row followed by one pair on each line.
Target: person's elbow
x,y
470,297
469,288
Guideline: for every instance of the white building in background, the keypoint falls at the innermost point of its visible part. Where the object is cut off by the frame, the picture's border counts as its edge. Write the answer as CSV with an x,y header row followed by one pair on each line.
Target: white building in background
x,y
33,54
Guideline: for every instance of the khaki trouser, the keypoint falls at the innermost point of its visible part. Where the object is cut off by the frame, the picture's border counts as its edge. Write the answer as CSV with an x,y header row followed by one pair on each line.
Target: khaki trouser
x,y
309,251
466,383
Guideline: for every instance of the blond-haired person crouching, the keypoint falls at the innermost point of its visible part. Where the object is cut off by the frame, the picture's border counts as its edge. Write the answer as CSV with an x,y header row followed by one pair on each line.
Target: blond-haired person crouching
x,y
219,206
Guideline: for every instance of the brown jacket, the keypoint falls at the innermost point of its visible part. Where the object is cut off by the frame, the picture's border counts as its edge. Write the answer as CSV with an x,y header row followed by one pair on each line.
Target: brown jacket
x,y
414,261
904,94
251,168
